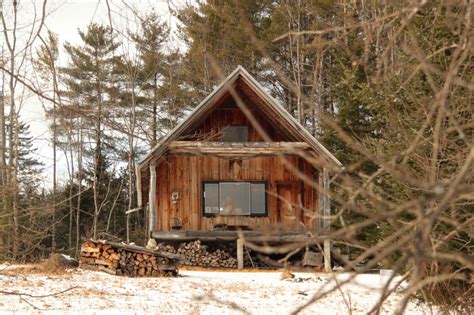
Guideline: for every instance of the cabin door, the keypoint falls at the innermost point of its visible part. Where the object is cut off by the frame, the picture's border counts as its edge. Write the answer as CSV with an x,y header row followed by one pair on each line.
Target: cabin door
x,y
289,206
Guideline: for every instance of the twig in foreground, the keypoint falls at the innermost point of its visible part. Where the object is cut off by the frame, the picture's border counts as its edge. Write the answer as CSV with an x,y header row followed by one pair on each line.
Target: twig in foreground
x,y
37,296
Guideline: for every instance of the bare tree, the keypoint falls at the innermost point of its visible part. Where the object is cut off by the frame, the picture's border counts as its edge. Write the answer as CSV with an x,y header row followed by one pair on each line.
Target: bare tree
x,y
17,48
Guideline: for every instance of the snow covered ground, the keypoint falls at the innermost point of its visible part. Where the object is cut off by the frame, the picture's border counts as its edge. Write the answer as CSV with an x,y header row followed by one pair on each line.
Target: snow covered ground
x,y
194,292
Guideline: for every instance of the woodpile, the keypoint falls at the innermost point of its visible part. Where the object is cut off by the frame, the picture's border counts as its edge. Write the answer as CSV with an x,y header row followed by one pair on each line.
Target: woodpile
x,y
127,260
197,254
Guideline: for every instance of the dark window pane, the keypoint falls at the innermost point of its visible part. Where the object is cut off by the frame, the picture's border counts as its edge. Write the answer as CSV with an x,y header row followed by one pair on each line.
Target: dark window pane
x,y
234,198
211,198
257,193
235,134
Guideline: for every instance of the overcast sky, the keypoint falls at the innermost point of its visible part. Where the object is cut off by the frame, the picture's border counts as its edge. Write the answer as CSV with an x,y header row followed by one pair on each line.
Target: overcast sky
x,y
65,17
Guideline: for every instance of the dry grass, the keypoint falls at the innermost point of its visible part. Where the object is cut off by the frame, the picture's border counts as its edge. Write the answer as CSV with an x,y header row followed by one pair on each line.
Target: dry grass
x,y
197,268
51,266
454,295
22,270
270,269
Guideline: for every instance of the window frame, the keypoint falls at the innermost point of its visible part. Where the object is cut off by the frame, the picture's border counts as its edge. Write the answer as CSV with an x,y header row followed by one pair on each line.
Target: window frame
x,y
212,181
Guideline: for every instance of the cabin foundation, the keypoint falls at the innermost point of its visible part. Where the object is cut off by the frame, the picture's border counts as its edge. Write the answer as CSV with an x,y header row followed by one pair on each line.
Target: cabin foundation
x,y
258,241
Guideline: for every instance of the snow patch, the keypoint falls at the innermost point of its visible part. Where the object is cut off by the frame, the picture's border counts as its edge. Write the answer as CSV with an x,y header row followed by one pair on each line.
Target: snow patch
x,y
200,292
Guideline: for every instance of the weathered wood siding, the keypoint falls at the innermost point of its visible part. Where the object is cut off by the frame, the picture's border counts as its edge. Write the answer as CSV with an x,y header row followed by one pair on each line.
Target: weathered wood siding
x,y
186,174
229,115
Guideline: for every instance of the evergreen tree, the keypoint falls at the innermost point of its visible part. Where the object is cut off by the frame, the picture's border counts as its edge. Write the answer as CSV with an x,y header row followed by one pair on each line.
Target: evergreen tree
x,y
298,60
29,167
92,91
218,41
90,82
160,78
32,218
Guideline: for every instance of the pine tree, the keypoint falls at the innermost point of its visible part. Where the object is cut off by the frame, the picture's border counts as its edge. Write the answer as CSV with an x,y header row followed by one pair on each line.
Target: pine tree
x,y
218,41
91,89
29,167
31,221
297,58
161,78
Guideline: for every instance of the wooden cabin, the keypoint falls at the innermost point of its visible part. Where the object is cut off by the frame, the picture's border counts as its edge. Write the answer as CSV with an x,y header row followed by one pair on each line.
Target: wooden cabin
x,y
238,162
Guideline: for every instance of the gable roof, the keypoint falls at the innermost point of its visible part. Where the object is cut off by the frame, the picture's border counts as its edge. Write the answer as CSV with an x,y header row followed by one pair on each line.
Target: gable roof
x,y
203,108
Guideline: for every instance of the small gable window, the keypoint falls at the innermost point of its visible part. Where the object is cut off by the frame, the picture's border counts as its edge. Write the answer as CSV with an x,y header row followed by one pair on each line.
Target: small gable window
x,y
235,134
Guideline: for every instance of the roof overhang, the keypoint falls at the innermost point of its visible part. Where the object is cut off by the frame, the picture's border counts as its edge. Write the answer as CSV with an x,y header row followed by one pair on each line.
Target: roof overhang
x,y
236,150
228,86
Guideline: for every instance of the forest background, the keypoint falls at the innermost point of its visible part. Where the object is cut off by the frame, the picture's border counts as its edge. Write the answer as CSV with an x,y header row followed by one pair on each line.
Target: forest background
x,y
385,86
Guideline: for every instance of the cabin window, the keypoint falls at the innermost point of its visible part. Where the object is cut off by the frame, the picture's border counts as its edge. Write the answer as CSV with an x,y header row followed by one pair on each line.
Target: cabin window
x,y
235,134
235,198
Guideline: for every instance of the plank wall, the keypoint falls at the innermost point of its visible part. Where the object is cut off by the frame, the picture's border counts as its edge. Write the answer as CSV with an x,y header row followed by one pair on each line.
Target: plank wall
x,y
185,175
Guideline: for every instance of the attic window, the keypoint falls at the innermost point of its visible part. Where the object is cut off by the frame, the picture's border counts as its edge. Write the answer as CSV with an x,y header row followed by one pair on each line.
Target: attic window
x,y
235,134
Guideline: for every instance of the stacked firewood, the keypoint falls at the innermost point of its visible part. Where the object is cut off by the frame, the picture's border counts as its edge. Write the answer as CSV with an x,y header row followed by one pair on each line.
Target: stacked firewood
x,y
101,255
138,264
128,260
197,254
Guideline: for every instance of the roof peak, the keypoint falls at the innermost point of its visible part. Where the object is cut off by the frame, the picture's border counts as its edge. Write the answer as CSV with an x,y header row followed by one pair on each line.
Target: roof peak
x,y
290,122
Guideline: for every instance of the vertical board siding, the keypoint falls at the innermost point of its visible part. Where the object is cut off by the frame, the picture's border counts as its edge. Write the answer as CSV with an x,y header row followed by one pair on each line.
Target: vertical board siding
x,y
186,174
223,117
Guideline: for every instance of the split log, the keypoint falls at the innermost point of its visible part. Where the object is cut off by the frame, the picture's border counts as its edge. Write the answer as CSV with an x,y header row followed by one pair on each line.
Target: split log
x,y
127,260
90,249
197,254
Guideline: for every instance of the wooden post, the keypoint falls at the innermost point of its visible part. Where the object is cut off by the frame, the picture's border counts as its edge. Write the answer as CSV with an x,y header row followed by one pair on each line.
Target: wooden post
x,y
138,179
240,253
152,200
138,175
326,221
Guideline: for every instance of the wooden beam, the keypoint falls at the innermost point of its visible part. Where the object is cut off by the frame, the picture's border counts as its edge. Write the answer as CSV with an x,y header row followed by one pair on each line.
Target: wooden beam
x,y
248,236
234,149
139,249
152,199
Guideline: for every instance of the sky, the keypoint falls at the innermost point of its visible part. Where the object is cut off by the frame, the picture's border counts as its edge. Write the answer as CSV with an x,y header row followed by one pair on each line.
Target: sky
x,y
65,18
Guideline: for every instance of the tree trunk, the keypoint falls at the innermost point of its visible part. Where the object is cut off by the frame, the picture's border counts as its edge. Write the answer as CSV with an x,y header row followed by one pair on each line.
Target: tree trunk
x,y
12,167
3,163
97,154
53,233
131,153
154,123
79,192
71,195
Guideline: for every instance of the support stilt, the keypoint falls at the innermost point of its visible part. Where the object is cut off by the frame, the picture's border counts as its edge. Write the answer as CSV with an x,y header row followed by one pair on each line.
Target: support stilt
x,y
240,253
